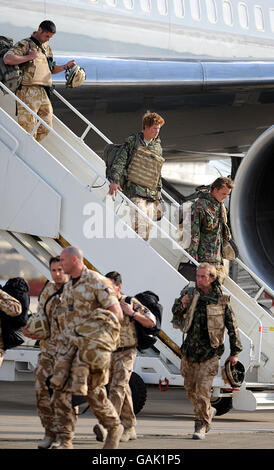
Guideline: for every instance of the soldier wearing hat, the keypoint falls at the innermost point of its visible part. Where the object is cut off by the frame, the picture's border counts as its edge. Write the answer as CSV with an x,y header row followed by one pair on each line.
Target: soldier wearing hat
x,y
36,58
204,313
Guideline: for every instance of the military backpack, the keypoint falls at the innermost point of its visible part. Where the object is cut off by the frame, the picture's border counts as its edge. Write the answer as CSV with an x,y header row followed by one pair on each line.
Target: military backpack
x,y
112,152
147,337
12,334
10,75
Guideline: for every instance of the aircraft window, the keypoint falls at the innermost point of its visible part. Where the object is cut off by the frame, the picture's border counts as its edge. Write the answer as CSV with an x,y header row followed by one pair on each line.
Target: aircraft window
x,y
129,4
227,13
243,15
195,8
162,7
145,5
179,7
211,11
259,18
111,3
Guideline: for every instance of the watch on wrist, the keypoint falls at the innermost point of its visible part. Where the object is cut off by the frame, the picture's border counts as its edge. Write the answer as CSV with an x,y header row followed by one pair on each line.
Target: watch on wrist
x,y
134,314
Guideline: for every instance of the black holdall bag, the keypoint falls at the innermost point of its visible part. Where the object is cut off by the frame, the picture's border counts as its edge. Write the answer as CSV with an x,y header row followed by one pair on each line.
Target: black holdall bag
x,y
147,337
12,326
188,270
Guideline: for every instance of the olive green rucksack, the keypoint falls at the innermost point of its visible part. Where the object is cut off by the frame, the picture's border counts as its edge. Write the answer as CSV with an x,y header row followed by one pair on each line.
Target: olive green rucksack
x,y
10,75
112,152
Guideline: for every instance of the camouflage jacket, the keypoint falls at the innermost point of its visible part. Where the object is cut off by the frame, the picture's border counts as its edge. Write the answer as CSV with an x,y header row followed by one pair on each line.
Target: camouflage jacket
x,y
119,166
50,345
22,48
11,307
206,229
197,346
79,299
128,335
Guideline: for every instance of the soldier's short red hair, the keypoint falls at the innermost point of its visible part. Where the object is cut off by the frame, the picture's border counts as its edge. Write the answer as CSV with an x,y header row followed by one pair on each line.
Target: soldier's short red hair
x,y
149,119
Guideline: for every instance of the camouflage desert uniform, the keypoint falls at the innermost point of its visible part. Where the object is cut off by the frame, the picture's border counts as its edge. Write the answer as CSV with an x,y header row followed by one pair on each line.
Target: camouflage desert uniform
x,y
144,198
122,361
204,344
11,307
208,217
65,419
33,92
81,298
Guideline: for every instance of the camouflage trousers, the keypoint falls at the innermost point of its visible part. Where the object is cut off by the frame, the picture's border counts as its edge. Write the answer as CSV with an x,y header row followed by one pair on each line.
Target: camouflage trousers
x,y
100,404
121,368
36,98
75,376
139,223
198,379
56,413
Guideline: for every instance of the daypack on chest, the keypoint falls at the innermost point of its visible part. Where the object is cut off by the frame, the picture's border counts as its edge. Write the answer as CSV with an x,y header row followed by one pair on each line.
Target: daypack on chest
x,y
10,75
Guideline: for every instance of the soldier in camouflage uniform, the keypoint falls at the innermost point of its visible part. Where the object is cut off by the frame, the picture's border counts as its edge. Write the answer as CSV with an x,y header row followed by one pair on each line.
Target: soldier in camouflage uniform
x,y
11,307
83,296
37,67
204,313
49,301
122,361
143,174
209,225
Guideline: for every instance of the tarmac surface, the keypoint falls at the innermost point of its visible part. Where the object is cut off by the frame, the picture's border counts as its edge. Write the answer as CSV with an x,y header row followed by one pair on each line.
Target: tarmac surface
x,y
165,423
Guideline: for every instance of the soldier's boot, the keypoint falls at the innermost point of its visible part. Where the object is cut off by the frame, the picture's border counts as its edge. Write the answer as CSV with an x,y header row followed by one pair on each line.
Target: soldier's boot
x,y
199,430
46,442
100,432
212,413
62,444
113,437
129,435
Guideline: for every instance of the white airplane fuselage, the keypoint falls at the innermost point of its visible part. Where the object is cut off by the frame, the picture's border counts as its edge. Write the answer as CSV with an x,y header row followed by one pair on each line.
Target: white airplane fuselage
x,y
213,29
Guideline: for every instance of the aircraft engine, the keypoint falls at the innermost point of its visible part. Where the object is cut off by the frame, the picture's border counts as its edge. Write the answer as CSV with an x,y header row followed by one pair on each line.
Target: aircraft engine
x,y
252,208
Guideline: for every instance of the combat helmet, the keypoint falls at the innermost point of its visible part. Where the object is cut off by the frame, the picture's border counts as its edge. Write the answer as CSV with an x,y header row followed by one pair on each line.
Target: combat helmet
x,y
75,76
234,374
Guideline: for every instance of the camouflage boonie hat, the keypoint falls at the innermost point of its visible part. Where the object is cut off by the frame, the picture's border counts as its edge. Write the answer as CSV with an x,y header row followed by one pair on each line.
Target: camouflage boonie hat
x,y
38,325
97,338
75,76
234,375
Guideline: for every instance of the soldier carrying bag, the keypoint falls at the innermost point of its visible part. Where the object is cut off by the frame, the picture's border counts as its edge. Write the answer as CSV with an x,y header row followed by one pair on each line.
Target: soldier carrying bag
x,y
147,337
112,152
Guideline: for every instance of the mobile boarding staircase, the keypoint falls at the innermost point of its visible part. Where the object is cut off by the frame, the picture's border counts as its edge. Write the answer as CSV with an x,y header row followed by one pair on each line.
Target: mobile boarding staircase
x,y
56,194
